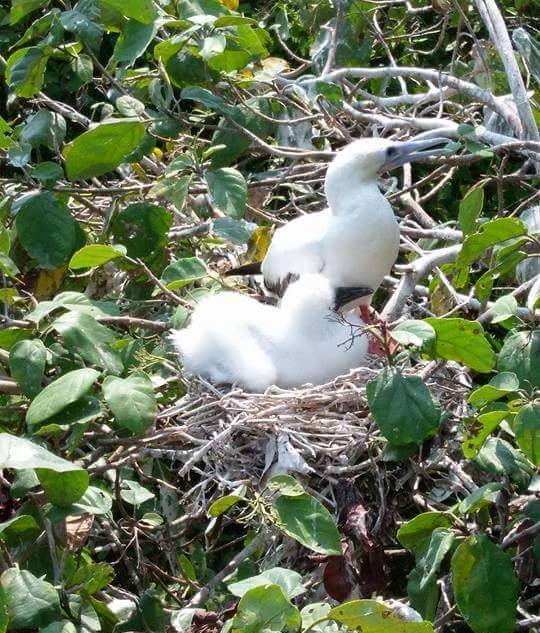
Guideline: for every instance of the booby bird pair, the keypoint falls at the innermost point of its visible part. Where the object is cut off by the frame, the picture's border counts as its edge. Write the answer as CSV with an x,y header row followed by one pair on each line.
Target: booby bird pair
x,y
355,241
307,338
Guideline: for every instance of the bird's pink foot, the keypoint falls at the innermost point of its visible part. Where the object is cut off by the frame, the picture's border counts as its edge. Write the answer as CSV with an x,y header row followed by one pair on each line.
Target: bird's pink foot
x,y
375,345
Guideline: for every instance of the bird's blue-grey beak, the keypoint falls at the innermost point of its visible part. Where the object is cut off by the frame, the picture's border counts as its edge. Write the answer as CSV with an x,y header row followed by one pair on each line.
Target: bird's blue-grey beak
x,y
413,151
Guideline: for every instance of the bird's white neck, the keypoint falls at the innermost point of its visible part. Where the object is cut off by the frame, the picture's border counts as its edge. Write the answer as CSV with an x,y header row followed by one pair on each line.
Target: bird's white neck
x,y
347,192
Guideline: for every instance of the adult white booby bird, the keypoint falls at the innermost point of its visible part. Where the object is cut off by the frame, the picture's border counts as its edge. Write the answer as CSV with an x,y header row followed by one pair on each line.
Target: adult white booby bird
x,y
306,339
355,240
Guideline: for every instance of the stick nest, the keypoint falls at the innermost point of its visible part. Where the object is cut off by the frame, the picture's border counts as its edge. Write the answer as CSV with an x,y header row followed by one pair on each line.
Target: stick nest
x,y
231,436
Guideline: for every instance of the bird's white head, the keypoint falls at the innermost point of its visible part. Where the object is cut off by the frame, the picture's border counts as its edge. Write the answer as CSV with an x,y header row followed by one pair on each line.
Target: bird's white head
x,y
360,162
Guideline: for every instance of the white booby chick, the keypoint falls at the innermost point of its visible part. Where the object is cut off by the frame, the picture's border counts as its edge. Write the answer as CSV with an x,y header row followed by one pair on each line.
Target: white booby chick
x,y
353,242
236,340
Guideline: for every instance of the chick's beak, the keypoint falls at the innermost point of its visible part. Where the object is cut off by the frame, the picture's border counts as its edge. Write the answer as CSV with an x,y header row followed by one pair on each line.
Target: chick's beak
x,y
413,151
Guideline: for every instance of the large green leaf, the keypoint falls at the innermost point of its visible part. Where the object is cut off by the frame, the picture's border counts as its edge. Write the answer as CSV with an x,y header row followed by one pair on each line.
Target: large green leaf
x,y
478,429
102,148
527,430
18,529
21,8
403,407
485,585
143,11
500,385
32,602
63,482
309,522
25,71
82,334
463,341
142,228
56,396
370,616
44,128
95,255
519,354
499,457
480,498
183,272
228,191
27,365
470,209
416,533
133,41
266,608
289,581
44,215
131,400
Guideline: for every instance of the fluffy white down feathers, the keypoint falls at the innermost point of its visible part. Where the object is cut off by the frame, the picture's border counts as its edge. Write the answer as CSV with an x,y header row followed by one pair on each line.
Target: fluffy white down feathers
x,y
234,339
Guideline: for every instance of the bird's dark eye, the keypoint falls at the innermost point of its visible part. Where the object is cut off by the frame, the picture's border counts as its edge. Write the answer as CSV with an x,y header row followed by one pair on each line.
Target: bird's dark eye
x,y
391,151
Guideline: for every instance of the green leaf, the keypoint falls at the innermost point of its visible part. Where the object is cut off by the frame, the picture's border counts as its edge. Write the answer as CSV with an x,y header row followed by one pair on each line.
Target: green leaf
x,y
504,308
133,493
48,173
500,385
207,98
57,395
82,334
95,255
371,616
519,354
25,71
422,583
143,11
286,485
93,501
416,533
309,522
76,301
489,234
213,45
403,407
21,8
470,209
43,214
498,457
289,581
485,586
235,231
221,505
480,498
527,431
63,482
133,41
83,22
463,341
63,488
19,529
47,129
478,430
132,401
102,148
266,608
183,272
91,578
413,332
142,228
27,365
32,602
228,191
8,266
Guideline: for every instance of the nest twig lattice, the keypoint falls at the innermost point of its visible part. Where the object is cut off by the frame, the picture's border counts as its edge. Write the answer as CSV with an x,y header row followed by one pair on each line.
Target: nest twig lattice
x,y
230,436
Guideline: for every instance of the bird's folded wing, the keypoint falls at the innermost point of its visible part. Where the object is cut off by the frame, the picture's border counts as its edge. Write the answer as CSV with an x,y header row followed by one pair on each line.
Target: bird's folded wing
x,y
286,260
